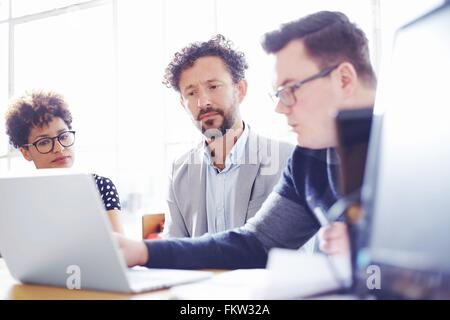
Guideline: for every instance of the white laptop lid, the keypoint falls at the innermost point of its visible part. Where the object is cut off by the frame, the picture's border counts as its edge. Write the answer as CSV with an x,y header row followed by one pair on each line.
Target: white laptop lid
x,y
53,224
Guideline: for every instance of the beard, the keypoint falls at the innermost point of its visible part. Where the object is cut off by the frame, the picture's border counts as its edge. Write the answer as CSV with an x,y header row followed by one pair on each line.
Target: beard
x,y
207,127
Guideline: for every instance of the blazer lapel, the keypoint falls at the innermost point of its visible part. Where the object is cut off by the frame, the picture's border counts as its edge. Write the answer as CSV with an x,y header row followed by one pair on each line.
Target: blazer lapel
x,y
248,171
196,194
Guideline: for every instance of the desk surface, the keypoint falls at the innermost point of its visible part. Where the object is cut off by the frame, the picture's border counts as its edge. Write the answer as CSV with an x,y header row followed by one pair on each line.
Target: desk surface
x,y
11,289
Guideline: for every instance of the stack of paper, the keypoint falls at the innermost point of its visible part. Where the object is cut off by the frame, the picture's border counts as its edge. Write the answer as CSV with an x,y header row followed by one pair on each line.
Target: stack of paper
x,y
289,275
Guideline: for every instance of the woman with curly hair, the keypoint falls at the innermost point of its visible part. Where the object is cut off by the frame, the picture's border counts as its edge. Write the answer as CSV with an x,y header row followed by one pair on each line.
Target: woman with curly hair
x,y
39,124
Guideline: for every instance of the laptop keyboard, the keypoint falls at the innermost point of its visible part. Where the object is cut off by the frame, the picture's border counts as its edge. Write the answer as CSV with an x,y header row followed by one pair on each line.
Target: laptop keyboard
x,y
154,279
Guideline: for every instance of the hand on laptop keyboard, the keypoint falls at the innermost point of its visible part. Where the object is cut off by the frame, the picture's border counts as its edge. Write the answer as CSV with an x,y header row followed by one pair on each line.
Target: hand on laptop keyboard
x,y
134,251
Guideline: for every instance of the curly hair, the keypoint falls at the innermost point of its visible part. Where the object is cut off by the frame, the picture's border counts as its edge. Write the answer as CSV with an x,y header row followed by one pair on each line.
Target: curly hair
x,y
34,109
218,46
330,38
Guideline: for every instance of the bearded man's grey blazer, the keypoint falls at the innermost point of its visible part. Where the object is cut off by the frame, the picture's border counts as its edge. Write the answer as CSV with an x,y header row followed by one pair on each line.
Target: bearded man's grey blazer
x,y
265,160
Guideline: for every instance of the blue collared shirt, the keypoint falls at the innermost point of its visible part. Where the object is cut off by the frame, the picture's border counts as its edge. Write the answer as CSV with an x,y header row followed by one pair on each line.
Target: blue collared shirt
x,y
221,185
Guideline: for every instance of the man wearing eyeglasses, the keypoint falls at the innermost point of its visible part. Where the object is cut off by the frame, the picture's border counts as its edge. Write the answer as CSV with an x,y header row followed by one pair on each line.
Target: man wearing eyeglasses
x,y
322,66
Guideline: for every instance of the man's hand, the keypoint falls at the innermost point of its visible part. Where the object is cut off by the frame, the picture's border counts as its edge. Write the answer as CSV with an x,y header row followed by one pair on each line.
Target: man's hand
x,y
134,251
334,239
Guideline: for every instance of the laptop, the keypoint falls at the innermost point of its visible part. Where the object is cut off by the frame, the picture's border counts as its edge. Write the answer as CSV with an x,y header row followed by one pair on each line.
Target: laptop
x,y
54,231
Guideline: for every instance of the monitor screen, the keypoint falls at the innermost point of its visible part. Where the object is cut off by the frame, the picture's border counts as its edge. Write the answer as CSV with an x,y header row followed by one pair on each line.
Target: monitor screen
x,y
406,193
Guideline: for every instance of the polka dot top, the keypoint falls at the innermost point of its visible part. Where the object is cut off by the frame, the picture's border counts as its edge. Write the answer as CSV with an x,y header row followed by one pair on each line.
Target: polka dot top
x,y
108,191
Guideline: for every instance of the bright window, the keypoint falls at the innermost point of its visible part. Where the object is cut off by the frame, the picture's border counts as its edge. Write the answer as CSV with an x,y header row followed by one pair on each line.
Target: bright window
x,y
27,7
73,54
3,94
4,9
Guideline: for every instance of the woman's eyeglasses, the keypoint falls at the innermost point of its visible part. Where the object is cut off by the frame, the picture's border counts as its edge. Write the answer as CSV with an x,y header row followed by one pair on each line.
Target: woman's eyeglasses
x,y
46,145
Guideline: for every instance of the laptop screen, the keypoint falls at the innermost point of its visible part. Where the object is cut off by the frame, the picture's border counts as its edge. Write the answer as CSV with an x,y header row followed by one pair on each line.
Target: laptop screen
x,y
406,191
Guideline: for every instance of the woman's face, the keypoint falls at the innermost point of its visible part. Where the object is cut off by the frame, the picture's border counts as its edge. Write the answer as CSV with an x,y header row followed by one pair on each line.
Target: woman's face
x,y
59,156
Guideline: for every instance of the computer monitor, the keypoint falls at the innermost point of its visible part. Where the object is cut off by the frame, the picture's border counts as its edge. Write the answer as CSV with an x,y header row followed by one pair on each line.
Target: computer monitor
x,y
406,191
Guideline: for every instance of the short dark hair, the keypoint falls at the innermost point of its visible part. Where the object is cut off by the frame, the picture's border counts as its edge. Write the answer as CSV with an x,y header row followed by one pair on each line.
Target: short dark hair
x,y
218,46
34,109
330,38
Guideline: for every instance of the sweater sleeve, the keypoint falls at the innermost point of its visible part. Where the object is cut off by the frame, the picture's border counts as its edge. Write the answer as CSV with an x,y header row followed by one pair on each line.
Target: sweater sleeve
x,y
281,222
233,249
